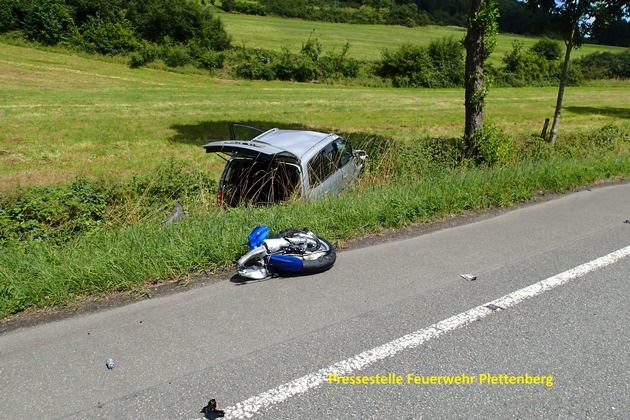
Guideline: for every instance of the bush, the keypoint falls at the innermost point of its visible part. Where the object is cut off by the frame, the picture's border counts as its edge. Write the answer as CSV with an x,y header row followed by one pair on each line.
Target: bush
x,y
56,213
108,38
286,8
147,53
211,60
358,12
439,65
338,65
48,21
213,35
107,10
305,69
547,48
251,63
249,8
405,15
533,149
492,147
171,181
284,65
179,20
444,152
309,64
575,76
533,68
512,59
8,21
176,55
447,57
608,138
113,27
228,5
408,66
606,65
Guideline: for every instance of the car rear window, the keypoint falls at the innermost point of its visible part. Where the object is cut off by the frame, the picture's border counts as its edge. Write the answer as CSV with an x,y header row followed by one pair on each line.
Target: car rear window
x,y
259,182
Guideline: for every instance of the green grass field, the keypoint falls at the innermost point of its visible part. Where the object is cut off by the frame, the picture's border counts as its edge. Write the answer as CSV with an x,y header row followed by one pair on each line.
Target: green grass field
x,y
65,115
366,41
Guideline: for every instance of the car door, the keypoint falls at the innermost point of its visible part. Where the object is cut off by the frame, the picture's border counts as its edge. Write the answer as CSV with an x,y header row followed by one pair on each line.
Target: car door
x,y
250,149
350,166
240,131
326,171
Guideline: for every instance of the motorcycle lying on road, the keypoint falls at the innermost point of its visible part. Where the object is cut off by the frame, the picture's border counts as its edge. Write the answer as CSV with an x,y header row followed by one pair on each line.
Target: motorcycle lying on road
x,y
288,253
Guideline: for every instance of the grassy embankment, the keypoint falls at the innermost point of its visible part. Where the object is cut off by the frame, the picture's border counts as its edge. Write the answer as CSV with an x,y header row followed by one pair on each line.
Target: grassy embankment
x,y
65,116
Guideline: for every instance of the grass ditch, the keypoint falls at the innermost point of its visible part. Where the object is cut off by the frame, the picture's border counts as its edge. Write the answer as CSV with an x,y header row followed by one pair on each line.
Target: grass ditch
x,y
65,211
405,183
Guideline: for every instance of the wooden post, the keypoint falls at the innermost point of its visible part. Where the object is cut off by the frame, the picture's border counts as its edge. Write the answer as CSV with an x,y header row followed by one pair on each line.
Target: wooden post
x,y
544,130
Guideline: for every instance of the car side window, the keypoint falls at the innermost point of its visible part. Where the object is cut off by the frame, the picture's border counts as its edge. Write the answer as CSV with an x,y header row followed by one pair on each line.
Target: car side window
x,y
324,164
345,151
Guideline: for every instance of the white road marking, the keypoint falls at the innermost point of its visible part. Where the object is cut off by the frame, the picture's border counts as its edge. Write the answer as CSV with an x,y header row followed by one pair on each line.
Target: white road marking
x,y
253,405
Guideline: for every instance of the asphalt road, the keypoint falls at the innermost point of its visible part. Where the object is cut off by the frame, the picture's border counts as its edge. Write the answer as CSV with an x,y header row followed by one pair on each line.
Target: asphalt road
x,y
266,348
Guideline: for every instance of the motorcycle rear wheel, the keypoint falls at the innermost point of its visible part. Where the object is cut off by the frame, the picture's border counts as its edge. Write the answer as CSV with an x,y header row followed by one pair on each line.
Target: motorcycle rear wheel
x,y
310,266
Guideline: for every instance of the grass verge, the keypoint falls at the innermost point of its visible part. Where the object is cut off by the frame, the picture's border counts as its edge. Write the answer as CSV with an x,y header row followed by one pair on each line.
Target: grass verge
x,y
39,273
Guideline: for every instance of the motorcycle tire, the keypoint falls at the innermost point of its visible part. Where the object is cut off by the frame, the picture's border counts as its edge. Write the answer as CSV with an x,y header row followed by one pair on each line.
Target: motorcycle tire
x,y
321,264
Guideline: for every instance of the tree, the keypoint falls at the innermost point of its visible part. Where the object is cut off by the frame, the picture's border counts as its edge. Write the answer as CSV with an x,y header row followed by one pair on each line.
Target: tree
x,y
177,21
479,42
612,31
48,21
574,19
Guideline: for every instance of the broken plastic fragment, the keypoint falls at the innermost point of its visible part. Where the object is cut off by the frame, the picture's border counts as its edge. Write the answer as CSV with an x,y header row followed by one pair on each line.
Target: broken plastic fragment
x,y
469,277
176,215
493,307
210,411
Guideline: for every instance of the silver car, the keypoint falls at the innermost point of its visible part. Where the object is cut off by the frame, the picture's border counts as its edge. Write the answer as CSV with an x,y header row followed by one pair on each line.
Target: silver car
x,y
276,165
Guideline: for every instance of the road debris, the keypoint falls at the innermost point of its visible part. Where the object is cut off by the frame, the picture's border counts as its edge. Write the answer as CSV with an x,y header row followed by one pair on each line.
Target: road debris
x,y
176,215
469,277
210,411
493,307
110,363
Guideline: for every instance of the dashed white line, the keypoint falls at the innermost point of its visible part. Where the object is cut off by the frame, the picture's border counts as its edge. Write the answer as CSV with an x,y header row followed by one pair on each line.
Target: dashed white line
x,y
253,405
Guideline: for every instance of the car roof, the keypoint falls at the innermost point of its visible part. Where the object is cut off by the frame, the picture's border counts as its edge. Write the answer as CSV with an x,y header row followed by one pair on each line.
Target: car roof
x,y
297,142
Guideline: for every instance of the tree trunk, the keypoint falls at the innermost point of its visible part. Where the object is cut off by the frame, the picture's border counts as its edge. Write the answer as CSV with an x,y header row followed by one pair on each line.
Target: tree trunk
x,y
474,77
563,80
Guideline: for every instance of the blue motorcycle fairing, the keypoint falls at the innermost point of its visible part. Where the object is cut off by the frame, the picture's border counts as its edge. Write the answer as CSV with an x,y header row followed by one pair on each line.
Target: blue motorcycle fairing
x,y
257,236
281,262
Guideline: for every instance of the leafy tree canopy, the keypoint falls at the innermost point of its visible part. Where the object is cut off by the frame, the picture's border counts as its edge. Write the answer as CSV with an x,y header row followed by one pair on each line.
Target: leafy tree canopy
x,y
575,18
